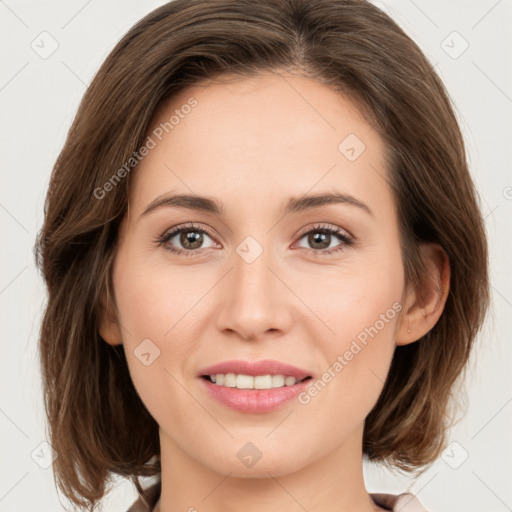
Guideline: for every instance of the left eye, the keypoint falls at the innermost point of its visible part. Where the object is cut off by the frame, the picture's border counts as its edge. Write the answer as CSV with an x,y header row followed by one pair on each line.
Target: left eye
x,y
320,239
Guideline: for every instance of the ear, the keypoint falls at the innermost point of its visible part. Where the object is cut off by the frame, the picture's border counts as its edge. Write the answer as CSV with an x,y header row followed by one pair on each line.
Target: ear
x,y
109,326
424,304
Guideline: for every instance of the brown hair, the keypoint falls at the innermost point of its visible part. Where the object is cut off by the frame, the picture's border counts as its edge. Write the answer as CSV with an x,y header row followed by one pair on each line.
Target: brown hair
x,y
92,406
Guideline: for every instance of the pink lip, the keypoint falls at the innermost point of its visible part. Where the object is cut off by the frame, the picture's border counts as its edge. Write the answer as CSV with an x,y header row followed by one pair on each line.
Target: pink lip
x,y
255,400
265,367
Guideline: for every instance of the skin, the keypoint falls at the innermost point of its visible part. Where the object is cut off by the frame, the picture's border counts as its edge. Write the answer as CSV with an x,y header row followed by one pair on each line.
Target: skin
x,y
252,144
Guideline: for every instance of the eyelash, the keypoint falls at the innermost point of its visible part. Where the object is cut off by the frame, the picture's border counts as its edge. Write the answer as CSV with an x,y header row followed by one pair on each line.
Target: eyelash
x,y
347,240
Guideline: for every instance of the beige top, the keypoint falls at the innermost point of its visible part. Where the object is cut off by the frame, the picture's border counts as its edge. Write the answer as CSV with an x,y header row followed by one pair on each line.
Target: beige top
x,y
404,502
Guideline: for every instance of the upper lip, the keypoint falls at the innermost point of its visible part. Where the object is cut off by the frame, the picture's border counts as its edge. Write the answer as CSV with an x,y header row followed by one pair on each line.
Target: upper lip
x,y
265,367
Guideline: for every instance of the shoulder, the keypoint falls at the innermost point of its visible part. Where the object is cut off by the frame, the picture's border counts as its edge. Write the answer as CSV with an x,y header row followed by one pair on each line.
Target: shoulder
x,y
405,502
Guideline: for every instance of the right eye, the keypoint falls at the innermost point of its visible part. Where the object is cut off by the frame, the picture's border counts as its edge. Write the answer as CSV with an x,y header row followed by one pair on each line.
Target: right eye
x,y
191,238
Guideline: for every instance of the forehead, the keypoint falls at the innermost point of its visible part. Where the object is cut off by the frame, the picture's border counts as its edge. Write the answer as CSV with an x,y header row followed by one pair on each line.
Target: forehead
x,y
264,136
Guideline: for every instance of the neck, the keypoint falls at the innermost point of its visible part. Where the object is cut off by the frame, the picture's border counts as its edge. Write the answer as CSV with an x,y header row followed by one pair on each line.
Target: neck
x,y
332,483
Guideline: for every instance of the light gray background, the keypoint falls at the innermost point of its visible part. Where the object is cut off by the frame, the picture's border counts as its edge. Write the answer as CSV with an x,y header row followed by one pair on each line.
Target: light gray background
x,y
39,97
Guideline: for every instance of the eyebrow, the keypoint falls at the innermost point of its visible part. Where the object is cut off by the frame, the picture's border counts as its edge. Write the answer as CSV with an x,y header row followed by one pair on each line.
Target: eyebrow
x,y
210,205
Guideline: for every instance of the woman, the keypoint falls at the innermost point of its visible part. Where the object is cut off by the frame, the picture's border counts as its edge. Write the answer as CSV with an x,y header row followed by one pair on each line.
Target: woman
x,y
264,259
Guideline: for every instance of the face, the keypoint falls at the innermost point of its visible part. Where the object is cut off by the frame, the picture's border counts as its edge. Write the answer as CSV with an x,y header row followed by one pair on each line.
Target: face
x,y
272,278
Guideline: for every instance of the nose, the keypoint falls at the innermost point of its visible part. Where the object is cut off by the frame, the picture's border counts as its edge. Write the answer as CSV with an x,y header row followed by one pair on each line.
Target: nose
x,y
255,300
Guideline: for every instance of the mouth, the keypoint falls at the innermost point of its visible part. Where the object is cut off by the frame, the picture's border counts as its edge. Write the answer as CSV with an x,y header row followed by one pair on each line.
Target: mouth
x,y
254,386
241,381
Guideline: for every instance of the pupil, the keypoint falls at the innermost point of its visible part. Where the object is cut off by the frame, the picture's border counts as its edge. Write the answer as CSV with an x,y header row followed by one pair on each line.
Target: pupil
x,y
321,238
188,238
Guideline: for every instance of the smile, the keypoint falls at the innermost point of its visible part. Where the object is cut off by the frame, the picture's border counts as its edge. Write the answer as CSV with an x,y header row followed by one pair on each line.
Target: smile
x,y
250,386
241,381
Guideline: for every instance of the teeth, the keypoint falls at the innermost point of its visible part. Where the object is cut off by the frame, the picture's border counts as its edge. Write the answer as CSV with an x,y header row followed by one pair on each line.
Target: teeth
x,y
278,381
240,381
230,380
290,381
244,382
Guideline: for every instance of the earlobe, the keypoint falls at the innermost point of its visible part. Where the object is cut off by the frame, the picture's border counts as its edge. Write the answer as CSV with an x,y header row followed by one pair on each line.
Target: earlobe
x,y
110,333
424,304
109,328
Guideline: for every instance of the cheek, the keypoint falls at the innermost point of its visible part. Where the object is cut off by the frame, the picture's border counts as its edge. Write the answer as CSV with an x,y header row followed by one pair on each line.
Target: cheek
x,y
360,308
156,307
361,296
355,360
150,308
156,302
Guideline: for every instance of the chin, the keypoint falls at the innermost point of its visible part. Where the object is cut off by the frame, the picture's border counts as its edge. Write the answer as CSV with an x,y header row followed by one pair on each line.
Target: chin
x,y
241,458
275,465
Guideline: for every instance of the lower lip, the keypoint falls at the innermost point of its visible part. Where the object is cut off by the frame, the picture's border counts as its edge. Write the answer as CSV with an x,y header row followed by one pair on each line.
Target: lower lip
x,y
254,400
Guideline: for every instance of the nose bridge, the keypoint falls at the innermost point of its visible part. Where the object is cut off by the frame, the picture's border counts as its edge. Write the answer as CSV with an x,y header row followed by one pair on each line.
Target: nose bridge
x,y
251,269
255,300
